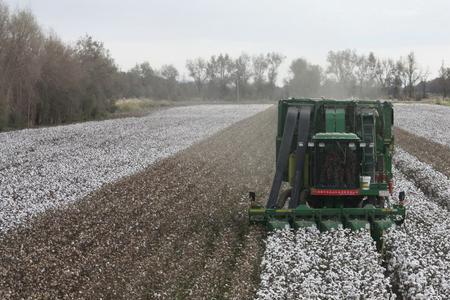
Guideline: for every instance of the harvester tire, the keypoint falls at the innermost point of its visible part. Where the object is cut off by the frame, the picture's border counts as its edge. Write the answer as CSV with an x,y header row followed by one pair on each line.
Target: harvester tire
x,y
375,201
284,196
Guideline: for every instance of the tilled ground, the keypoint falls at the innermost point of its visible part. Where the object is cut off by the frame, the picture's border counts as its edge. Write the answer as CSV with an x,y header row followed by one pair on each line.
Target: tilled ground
x,y
434,154
176,230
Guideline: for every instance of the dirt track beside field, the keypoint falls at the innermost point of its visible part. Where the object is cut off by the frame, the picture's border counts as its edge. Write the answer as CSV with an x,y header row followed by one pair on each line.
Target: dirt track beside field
x,y
176,230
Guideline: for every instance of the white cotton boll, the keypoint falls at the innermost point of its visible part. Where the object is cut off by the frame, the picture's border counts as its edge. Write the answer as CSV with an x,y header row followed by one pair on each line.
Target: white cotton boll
x,y
418,250
323,266
426,120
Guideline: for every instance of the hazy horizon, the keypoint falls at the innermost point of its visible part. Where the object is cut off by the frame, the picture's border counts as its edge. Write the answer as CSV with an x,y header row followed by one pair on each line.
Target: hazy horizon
x,y
170,32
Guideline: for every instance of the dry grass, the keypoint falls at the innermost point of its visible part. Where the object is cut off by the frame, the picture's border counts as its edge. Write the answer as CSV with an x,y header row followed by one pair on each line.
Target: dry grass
x,y
139,105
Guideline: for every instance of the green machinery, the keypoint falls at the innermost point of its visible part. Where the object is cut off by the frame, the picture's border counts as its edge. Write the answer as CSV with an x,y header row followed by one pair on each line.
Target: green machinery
x,y
336,156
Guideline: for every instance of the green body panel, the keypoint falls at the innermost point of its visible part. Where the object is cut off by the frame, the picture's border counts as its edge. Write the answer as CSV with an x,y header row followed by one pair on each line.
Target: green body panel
x,y
334,120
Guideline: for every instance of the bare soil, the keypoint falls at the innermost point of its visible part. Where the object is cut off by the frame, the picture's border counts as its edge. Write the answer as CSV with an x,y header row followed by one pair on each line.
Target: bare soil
x,y
178,230
427,151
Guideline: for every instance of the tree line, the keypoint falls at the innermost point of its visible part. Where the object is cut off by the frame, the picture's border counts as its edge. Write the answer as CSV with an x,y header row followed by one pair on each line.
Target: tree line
x,y
46,81
349,74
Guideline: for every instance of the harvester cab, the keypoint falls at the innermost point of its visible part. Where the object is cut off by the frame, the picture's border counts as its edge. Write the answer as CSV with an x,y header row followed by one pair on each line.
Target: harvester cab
x,y
336,156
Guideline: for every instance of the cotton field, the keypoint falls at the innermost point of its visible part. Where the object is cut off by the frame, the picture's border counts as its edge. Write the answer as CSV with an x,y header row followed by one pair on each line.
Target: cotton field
x,y
427,120
94,210
49,167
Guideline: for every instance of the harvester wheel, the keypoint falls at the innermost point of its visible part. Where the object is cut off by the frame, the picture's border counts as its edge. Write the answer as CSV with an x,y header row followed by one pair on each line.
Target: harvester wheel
x,y
375,201
303,196
283,198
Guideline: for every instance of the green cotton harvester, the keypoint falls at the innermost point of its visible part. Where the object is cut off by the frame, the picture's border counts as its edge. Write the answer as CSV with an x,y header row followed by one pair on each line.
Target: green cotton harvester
x,y
336,156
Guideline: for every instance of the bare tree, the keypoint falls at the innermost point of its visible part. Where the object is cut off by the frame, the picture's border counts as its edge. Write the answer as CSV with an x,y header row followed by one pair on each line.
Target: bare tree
x,y
412,73
170,73
444,76
198,71
274,61
260,65
384,73
241,74
362,73
4,97
423,82
399,79
342,66
23,56
59,84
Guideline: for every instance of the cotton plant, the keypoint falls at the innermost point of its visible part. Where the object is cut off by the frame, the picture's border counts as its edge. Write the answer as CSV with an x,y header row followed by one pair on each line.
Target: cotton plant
x,y
308,264
418,257
435,184
426,120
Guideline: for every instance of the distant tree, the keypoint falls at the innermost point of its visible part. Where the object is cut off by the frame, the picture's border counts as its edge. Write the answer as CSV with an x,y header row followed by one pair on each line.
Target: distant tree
x,y
59,84
25,44
384,74
259,66
4,84
170,73
423,82
98,76
399,79
241,75
412,72
219,73
305,79
225,70
198,71
444,76
362,73
273,61
342,66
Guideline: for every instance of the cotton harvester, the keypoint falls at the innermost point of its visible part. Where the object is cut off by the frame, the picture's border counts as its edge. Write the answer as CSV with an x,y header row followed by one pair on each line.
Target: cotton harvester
x,y
337,158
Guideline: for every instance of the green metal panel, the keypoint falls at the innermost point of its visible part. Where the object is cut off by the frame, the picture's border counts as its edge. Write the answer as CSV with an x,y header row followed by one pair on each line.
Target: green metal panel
x,y
340,120
330,120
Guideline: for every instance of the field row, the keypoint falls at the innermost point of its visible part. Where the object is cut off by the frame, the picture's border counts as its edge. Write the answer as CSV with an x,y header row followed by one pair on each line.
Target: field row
x,y
175,230
50,167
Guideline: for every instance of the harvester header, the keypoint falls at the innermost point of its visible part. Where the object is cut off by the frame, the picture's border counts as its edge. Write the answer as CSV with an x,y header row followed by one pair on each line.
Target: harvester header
x,y
335,156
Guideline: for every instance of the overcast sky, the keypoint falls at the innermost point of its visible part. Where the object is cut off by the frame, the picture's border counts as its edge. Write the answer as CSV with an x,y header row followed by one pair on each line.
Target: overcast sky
x,y
169,31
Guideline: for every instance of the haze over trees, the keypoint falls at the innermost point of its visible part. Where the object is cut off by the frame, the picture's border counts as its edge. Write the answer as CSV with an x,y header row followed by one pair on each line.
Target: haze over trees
x,y
44,80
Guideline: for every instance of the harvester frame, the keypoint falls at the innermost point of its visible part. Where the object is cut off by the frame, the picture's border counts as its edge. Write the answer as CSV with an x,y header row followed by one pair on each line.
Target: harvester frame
x,y
328,193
